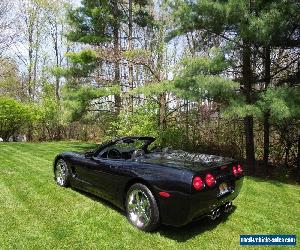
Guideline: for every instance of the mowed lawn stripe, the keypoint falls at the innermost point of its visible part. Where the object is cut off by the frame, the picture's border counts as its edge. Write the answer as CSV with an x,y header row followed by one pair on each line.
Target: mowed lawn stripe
x,y
37,214
87,215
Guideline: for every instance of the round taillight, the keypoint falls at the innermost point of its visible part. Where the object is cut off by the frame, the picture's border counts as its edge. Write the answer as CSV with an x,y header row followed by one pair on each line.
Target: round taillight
x,y
239,169
198,183
235,171
210,180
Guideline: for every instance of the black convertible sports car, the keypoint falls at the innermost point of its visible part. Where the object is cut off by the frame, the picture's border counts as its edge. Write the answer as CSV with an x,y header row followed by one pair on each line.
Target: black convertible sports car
x,y
153,186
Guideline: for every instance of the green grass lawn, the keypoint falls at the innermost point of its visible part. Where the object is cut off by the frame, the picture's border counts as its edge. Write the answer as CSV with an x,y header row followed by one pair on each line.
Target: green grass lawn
x,y
35,213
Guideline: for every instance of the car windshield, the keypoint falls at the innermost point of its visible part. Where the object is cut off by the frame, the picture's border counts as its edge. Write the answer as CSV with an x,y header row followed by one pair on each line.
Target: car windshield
x,y
126,147
129,145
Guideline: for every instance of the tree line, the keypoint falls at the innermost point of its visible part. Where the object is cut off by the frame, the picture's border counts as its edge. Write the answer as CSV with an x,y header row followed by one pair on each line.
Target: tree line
x,y
219,77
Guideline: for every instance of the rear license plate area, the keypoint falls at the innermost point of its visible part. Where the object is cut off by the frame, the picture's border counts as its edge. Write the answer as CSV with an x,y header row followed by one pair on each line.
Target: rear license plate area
x,y
224,188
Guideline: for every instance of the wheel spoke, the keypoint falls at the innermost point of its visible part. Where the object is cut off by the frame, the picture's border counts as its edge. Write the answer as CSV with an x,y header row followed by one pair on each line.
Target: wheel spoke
x,y
131,207
139,223
134,217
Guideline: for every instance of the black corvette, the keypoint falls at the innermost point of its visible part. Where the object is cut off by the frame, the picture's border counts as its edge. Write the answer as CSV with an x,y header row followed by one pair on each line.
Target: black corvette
x,y
153,186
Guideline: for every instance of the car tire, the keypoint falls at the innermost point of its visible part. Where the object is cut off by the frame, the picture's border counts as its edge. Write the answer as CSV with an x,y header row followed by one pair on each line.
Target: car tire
x,y
61,173
141,208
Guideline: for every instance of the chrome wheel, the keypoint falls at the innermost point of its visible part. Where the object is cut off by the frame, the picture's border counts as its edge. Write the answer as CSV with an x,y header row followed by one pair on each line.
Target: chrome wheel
x,y
138,208
61,172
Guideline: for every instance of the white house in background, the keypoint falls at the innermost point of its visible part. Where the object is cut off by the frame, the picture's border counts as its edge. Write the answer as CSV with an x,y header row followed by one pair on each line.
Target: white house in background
x,y
17,138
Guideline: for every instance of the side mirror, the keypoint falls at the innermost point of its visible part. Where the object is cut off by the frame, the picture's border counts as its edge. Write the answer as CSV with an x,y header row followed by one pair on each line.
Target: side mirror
x,y
89,154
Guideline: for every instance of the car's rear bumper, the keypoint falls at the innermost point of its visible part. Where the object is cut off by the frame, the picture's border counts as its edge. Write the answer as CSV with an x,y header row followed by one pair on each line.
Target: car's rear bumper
x,y
180,209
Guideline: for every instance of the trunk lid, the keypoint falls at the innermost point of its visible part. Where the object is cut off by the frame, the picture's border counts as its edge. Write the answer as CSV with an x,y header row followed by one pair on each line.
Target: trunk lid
x,y
181,159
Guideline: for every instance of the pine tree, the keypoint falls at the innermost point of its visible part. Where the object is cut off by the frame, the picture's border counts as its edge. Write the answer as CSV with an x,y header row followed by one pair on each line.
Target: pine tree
x,y
100,25
251,33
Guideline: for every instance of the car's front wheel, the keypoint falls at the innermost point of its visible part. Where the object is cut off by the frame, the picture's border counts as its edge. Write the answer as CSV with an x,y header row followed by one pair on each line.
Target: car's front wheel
x,y
61,173
141,207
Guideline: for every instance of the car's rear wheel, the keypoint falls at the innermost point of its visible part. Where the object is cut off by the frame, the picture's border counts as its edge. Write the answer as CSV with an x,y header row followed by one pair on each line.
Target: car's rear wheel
x,y
141,207
61,173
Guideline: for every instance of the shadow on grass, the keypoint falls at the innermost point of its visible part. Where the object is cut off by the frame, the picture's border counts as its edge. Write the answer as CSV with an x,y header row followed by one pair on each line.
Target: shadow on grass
x,y
184,233
104,202
179,234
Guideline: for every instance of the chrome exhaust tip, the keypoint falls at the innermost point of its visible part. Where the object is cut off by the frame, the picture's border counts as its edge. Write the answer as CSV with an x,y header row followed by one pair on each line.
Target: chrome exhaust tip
x,y
215,214
218,213
228,207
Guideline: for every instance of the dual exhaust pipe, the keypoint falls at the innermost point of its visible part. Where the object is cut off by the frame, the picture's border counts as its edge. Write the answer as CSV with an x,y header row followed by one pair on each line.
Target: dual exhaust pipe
x,y
217,212
228,207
